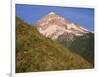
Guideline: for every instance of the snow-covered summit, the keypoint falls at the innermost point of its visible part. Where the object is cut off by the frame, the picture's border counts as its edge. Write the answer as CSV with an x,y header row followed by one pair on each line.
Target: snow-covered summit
x,y
53,26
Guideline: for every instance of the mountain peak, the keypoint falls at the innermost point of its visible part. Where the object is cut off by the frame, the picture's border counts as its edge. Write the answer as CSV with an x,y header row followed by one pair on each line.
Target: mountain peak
x,y
52,13
53,25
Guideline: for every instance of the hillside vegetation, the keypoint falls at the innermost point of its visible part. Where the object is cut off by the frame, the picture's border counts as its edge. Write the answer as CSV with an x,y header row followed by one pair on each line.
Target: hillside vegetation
x,y
83,45
34,52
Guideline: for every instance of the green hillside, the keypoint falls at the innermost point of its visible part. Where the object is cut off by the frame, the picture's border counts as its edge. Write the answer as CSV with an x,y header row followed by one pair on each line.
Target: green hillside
x,y
83,45
35,52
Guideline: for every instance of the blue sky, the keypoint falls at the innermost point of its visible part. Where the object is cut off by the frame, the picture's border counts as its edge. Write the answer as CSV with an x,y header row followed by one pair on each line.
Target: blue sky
x,y
32,13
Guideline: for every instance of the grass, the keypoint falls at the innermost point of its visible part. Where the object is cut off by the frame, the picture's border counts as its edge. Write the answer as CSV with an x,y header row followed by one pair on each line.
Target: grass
x,y
34,52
